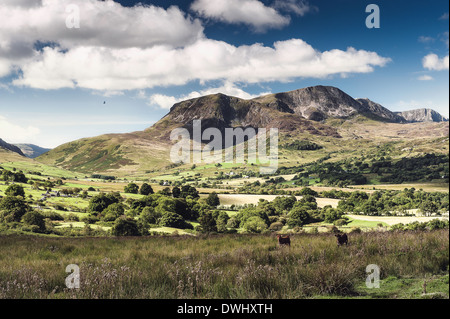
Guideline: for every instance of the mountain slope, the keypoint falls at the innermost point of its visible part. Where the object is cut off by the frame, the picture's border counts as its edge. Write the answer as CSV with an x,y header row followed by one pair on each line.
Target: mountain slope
x,y
10,147
322,114
31,150
422,115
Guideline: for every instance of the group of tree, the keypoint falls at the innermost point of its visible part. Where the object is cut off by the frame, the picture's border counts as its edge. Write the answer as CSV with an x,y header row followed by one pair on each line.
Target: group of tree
x,y
15,210
13,176
388,202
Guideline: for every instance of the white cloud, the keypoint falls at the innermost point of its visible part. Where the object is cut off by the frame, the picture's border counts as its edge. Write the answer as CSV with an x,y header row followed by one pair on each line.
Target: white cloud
x,y
228,88
102,24
14,133
249,12
425,39
101,68
299,7
135,48
433,62
425,78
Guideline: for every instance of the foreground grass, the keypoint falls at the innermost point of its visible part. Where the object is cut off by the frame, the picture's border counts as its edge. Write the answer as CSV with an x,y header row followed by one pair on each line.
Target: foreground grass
x,y
228,266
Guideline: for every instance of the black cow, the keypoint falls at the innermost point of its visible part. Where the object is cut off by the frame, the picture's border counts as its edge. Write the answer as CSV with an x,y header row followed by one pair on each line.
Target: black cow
x,y
284,240
342,239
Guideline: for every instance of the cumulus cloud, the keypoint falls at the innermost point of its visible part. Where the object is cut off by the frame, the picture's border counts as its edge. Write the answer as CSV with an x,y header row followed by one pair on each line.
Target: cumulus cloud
x,y
249,12
26,23
101,68
433,62
102,23
121,48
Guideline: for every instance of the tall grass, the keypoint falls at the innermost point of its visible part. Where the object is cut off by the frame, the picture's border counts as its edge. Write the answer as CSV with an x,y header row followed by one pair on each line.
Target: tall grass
x,y
225,266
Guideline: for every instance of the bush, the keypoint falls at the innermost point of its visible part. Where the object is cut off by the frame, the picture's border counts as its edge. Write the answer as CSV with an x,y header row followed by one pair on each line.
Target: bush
x,y
276,226
34,218
340,222
255,224
15,190
169,219
297,217
125,227
12,208
113,211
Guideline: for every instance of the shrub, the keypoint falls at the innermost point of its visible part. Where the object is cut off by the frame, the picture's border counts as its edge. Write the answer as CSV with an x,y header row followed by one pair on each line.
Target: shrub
x,y
34,218
276,226
169,219
12,208
297,217
340,222
15,190
255,224
125,227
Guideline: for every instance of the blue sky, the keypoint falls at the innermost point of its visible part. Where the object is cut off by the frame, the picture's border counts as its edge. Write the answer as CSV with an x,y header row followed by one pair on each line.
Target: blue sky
x,y
142,58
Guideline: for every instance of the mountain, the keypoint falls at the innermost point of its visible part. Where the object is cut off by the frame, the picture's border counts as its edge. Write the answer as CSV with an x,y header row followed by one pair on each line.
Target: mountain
x,y
31,150
319,113
222,111
422,115
10,147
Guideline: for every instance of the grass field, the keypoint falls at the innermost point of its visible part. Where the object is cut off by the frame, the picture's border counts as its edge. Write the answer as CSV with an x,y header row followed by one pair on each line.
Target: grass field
x,y
232,266
242,199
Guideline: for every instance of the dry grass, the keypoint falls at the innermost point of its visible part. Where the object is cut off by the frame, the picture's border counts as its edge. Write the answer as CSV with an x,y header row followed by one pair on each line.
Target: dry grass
x,y
228,266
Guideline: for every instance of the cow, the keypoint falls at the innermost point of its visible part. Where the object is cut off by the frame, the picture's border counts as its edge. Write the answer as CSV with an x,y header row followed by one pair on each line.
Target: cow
x,y
284,240
342,239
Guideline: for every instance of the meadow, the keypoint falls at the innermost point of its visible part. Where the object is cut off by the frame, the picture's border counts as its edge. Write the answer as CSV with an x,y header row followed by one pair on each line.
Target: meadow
x,y
227,266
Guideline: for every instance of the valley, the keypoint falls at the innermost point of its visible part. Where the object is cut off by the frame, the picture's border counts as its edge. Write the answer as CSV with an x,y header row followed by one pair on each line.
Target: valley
x,y
344,166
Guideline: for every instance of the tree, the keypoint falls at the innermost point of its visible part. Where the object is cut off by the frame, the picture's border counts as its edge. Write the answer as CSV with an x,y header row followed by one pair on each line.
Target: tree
x,y
100,202
145,189
34,218
131,188
188,190
213,199
169,219
308,191
255,224
298,216
429,207
15,190
113,211
149,216
12,208
208,223
176,192
125,227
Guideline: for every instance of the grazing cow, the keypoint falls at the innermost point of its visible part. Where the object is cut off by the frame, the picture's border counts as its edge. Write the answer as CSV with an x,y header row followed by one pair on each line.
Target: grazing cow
x,y
342,239
284,240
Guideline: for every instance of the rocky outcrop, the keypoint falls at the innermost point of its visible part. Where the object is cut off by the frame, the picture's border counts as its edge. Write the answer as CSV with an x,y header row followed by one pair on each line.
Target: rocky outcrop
x,y
422,115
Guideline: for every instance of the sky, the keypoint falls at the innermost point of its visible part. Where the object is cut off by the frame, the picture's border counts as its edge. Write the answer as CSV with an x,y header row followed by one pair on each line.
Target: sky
x,y
79,68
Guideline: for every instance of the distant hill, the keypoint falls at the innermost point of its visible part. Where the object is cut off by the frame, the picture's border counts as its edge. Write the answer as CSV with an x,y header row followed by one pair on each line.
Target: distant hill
x,y
31,150
10,147
422,115
317,113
